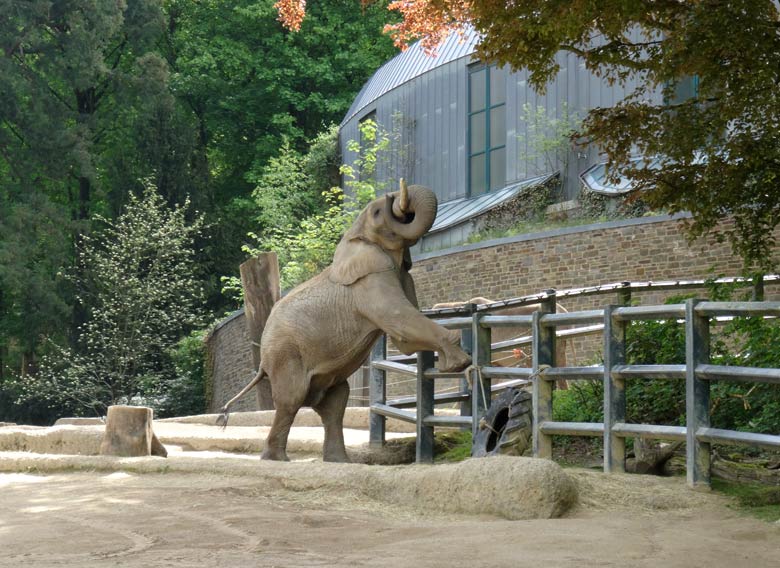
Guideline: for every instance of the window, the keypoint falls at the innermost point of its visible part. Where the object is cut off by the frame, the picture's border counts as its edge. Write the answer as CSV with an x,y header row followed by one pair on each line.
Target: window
x,y
364,142
486,129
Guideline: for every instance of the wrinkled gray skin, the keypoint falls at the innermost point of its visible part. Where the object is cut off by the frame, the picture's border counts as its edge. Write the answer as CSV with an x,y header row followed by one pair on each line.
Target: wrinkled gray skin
x,y
321,332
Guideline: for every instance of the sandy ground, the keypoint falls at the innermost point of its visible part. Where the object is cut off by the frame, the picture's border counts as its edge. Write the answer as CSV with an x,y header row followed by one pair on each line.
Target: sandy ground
x,y
205,519
211,508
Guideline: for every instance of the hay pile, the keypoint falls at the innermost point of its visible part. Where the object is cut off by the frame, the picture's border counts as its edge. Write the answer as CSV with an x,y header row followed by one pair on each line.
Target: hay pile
x,y
506,487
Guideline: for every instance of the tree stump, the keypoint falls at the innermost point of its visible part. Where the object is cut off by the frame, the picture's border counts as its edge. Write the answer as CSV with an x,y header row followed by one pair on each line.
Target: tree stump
x,y
260,281
129,433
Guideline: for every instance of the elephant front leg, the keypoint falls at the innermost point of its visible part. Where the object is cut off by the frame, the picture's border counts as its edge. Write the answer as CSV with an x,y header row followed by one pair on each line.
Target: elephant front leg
x,y
451,356
331,410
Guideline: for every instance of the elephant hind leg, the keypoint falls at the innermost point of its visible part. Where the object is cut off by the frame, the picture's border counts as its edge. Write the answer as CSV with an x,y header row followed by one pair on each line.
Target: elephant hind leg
x,y
289,387
331,409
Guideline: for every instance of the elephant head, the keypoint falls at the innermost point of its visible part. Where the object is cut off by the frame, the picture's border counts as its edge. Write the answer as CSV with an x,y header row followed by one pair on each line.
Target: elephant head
x,y
380,237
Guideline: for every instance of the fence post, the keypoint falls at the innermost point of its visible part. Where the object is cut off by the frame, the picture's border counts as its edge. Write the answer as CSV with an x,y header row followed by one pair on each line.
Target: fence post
x,y
697,395
614,392
543,353
425,390
758,288
467,344
480,353
624,294
377,394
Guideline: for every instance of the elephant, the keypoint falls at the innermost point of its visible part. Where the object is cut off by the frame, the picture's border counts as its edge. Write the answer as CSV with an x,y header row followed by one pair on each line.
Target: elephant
x,y
322,331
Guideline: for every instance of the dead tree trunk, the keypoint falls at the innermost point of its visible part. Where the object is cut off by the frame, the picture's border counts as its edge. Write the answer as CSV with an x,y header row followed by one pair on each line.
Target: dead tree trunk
x,y
260,280
129,433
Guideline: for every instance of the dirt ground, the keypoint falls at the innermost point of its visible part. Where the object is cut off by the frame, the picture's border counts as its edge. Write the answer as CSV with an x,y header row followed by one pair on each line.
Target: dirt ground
x,y
206,519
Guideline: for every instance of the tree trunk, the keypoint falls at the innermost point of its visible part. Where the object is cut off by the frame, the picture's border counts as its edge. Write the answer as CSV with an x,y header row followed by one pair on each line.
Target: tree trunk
x,y
129,433
260,280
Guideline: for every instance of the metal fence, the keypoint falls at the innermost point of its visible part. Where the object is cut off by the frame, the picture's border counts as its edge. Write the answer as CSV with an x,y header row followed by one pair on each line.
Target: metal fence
x,y
476,323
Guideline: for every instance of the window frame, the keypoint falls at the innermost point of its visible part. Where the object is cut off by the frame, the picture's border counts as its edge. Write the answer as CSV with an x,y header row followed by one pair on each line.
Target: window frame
x,y
487,110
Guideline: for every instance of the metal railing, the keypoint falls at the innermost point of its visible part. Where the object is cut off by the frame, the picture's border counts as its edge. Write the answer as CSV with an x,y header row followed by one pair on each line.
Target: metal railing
x,y
476,323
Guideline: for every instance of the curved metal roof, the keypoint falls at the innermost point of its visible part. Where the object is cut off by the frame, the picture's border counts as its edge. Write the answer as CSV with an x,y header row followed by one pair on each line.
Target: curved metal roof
x,y
410,64
457,211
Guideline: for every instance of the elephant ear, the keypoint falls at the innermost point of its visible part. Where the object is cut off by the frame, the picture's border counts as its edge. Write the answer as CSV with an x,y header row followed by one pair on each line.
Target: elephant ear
x,y
355,258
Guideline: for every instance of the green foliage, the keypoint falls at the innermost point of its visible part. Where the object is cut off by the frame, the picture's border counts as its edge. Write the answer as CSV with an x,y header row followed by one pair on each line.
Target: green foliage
x,y
185,394
307,248
143,295
717,143
748,342
581,402
752,498
452,446
549,137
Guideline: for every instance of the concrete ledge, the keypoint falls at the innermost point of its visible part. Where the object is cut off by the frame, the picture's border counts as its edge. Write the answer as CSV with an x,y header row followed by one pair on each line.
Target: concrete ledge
x,y
355,417
508,487
85,440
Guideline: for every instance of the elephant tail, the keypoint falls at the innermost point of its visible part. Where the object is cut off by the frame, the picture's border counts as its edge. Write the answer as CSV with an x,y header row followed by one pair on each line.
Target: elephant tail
x,y
222,419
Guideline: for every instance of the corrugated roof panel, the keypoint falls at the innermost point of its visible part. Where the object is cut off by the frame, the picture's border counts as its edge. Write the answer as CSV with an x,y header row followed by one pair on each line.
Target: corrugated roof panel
x,y
410,64
455,212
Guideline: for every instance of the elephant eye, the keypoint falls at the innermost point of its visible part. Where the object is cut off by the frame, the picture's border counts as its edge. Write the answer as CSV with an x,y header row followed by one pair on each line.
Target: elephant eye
x,y
376,212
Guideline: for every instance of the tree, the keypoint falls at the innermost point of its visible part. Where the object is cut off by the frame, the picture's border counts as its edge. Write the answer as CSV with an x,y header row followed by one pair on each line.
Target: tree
x,y
306,247
144,296
718,146
249,84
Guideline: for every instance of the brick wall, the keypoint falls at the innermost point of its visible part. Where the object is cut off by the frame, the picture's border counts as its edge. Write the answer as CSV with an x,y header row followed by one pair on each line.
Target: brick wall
x,y
637,249
231,363
629,250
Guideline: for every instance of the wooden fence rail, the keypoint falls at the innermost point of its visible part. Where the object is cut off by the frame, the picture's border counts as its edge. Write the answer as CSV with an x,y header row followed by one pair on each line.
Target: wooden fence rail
x,y
476,324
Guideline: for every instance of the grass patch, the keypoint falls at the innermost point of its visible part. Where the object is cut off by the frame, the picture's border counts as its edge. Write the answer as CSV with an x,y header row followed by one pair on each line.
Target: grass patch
x,y
760,501
452,446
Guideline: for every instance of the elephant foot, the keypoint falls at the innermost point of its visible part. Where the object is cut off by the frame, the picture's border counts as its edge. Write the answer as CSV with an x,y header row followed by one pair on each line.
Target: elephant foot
x,y
453,362
336,456
275,454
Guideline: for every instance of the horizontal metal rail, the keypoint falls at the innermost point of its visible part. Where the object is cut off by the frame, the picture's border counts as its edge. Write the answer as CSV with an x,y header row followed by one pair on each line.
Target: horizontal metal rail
x,y
648,371
436,374
591,372
441,398
671,311
572,428
490,372
572,318
454,323
395,367
506,321
390,412
717,436
738,374
653,431
455,421
738,308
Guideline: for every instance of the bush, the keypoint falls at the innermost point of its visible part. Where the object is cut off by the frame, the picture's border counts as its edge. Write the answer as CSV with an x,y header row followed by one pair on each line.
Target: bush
x,y
185,394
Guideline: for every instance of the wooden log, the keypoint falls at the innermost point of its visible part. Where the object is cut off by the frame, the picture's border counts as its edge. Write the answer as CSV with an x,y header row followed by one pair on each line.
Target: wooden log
x,y
260,281
129,433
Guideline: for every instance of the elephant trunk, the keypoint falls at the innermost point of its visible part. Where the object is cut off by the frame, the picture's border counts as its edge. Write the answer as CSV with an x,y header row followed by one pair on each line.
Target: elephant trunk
x,y
416,218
